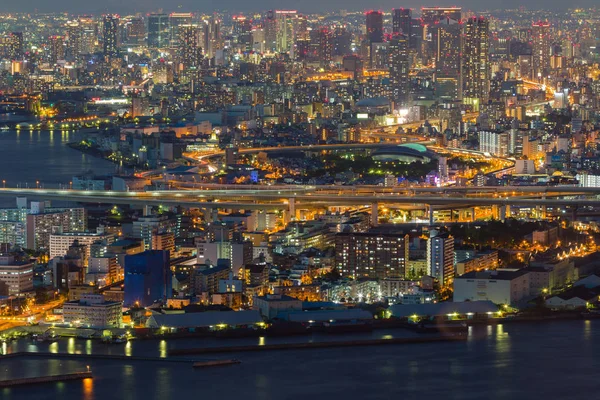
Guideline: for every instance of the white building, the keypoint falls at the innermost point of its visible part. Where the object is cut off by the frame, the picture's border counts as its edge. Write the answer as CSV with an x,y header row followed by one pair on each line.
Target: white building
x,y
440,257
588,180
503,286
494,142
60,242
525,167
93,311
16,275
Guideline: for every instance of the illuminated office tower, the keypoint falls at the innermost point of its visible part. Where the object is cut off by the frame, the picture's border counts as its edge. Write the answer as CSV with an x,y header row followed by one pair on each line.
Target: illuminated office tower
x,y
176,20
284,22
401,21
109,35
211,37
476,61
89,35
342,41
57,48
300,27
431,17
374,26
325,49
11,46
74,41
448,47
189,51
399,68
270,31
135,31
440,257
158,30
540,50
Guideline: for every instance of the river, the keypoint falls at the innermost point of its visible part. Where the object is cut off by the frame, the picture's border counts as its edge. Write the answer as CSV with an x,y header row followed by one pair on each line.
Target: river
x,y
553,360
30,156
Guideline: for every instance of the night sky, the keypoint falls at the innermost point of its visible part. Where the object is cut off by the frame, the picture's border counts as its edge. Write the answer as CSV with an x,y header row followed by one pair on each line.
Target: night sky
x,y
128,6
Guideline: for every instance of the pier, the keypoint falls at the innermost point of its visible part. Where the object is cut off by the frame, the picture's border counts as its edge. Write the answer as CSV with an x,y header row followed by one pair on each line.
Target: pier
x,y
46,379
319,345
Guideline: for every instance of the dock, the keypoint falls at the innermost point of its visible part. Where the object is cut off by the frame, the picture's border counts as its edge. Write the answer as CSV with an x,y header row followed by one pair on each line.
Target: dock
x,y
319,345
46,379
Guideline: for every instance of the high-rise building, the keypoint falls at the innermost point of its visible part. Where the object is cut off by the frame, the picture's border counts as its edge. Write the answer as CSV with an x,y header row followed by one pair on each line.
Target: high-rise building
x,y
74,41
374,22
371,255
399,66
60,242
402,21
57,48
433,15
211,39
89,34
270,31
342,41
110,35
135,31
325,46
176,20
430,18
448,49
494,142
147,278
475,61
540,50
11,46
189,51
285,22
440,257
158,30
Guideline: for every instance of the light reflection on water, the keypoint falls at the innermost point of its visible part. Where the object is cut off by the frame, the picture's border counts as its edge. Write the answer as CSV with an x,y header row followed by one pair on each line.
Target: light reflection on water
x,y
494,366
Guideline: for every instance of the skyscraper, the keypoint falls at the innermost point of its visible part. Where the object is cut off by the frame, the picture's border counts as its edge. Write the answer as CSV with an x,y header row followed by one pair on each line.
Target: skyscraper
x,y
448,48
176,20
211,39
110,37
401,21
325,46
284,22
158,30
475,62
74,41
431,17
374,27
57,48
540,50
440,257
135,31
189,51
399,68
89,34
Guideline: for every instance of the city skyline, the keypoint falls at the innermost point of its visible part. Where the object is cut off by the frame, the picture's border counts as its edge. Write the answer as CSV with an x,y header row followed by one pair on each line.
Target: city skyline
x,y
311,6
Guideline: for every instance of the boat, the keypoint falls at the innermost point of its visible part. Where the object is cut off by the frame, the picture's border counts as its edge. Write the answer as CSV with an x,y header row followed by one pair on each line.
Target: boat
x,y
4,128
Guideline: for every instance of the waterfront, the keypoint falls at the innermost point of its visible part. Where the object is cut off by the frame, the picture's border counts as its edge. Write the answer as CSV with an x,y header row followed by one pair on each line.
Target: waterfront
x,y
520,361
30,156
